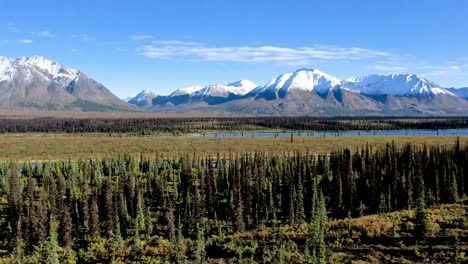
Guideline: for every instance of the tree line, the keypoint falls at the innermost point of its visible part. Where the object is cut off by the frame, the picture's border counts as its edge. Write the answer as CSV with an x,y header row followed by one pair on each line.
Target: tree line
x,y
87,211
147,126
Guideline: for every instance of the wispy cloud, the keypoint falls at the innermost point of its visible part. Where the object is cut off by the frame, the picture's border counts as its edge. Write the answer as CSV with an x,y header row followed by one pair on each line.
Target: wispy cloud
x,y
140,37
444,70
119,49
175,42
46,34
25,41
13,28
84,37
283,55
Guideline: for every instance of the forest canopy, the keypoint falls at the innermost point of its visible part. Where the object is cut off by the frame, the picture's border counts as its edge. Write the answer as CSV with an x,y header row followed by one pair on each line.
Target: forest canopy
x,y
124,208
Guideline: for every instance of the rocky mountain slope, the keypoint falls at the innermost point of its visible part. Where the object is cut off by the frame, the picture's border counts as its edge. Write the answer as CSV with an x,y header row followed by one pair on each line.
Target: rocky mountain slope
x,y
38,83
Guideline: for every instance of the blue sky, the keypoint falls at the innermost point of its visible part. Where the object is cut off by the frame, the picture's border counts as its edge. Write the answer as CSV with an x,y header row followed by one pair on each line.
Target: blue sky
x,y
164,45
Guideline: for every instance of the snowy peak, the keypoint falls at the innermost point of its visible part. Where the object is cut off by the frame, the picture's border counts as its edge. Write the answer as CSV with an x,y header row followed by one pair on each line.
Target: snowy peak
x,y
37,66
309,80
303,80
145,94
4,63
241,87
38,82
186,90
217,90
144,98
46,65
395,85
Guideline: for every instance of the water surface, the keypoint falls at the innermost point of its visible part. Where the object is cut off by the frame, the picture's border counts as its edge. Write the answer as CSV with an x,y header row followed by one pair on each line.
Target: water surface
x,y
414,132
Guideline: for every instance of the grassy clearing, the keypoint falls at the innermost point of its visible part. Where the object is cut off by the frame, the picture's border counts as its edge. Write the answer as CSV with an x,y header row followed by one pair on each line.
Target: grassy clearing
x,y
36,146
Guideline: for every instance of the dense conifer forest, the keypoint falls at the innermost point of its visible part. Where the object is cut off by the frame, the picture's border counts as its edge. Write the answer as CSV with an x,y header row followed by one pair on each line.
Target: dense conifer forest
x,y
243,208
148,126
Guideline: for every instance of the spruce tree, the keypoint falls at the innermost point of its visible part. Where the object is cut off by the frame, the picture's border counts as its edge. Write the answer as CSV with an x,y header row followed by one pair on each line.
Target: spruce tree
x,y
199,250
14,199
421,222
95,228
239,214
171,229
52,244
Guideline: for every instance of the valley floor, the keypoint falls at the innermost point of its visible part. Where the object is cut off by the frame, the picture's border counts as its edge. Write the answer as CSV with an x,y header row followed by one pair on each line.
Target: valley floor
x,y
47,146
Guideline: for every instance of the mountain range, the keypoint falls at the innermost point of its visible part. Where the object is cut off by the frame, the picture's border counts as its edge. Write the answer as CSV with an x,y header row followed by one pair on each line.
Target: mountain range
x,y
38,83
462,92
313,92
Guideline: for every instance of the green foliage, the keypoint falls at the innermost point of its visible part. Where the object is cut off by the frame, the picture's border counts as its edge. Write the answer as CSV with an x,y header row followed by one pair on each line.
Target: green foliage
x,y
421,223
52,245
246,208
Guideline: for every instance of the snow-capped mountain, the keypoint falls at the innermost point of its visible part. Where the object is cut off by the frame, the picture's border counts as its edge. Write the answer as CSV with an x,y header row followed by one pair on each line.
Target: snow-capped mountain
x,y
241,87
37,65
462,92
307,80
36,82
142,99
237,88
311,91
408,93
395,85
211,94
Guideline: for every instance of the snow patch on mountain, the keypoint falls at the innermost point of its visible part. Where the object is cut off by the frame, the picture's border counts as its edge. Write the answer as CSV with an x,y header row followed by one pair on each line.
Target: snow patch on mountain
x,y
395,85
37,66
4,63
217,90
304,80
143,98
241,87
187,90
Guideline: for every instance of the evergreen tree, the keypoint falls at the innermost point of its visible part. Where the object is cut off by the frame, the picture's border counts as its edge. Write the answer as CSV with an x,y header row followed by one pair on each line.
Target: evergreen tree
x,y
239,215
52,244
421,222
14,199
94,219
171,229
199,250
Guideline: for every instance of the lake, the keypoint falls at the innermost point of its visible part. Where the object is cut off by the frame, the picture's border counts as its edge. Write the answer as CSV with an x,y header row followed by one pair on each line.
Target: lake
x,y
415,132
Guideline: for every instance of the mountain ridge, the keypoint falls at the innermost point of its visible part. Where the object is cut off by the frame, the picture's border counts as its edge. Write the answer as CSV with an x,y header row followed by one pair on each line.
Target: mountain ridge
x,y
38,83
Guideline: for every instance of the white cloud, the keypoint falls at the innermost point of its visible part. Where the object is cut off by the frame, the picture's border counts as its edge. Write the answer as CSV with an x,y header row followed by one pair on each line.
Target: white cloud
x,y
444,70
46,34
25,41
283,55
140,37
